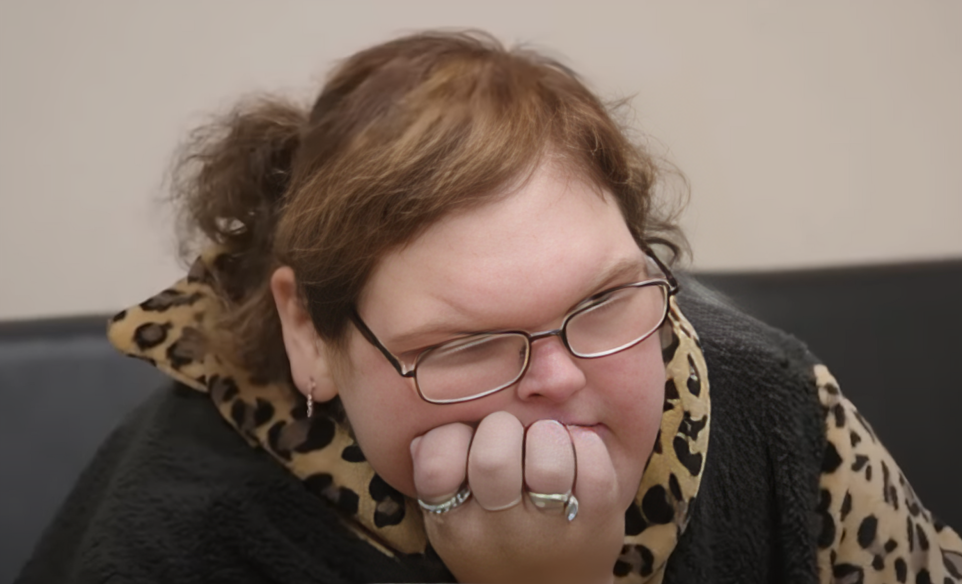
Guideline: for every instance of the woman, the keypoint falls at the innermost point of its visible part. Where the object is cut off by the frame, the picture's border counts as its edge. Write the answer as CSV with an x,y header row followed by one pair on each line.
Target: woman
x,y
432,307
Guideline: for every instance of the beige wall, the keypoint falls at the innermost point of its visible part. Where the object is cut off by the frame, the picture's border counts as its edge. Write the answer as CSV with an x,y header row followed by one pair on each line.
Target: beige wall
x,y
813,132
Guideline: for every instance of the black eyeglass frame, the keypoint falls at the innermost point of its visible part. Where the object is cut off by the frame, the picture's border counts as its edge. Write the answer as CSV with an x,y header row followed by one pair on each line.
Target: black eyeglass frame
x,y
669,282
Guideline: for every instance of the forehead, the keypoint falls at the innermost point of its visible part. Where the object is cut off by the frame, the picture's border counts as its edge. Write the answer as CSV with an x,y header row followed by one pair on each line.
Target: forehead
x,y
534,251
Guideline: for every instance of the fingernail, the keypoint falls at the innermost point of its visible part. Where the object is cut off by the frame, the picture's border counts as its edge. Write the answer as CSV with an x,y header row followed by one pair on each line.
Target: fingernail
x,y
502,507
584,433
548,421
414,445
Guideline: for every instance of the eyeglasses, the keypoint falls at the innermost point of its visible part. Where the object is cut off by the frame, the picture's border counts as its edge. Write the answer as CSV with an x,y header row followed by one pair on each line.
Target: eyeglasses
x,y
477,365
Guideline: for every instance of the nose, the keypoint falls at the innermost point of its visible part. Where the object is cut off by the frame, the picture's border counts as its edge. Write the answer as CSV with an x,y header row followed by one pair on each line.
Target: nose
x,y
552,372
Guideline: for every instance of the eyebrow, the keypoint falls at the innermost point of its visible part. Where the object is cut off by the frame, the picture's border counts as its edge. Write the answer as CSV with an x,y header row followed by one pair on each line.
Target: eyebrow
x,y
625,266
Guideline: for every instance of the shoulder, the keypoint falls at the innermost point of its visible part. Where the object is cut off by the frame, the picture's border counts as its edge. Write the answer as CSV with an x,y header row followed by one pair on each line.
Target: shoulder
x,y
872,524
174,494
156,489
755,371
728,331
785,424
766,445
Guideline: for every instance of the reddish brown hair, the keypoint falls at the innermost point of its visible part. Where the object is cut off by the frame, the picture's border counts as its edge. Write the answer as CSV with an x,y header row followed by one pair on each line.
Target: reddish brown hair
x,y
402,134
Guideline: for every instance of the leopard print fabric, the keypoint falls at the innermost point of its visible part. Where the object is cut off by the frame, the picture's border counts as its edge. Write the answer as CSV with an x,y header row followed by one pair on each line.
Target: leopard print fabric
x,y
168,331
873,527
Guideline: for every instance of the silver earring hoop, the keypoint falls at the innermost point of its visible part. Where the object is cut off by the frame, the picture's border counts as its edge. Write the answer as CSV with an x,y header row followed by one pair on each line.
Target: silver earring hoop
x,y
310,399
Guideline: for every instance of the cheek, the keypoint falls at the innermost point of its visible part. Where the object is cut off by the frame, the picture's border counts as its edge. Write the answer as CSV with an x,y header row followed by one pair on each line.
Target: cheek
x,y
632,389
632,383
384,420
386,414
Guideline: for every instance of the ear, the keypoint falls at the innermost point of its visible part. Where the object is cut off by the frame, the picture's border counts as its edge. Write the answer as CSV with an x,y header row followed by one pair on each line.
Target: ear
x,y
305,351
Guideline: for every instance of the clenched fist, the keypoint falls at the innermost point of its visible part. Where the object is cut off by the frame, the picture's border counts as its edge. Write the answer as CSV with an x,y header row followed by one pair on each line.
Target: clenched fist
x,y
499,535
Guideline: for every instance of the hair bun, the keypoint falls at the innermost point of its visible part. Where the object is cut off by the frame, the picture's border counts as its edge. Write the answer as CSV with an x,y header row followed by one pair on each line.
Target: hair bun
x,y
231,175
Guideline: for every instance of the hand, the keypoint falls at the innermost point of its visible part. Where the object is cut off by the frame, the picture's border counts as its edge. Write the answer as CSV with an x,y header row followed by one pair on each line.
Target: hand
x,y
499,536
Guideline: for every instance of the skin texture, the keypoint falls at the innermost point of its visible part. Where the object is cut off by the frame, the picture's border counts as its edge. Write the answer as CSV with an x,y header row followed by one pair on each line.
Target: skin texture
x,y
521,262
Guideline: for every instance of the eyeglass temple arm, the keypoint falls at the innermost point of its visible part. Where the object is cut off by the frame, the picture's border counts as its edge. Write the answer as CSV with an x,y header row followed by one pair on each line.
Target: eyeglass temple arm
x,y
664,268
371,338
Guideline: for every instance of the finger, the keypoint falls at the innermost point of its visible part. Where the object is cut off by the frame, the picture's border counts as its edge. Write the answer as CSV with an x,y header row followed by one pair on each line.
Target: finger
x,y
596,484
549,458
494,464
440,461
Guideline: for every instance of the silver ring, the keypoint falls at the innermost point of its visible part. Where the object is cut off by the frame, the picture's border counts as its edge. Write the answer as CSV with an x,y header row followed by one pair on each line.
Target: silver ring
x,y
556,502
571,508
549,501
457,500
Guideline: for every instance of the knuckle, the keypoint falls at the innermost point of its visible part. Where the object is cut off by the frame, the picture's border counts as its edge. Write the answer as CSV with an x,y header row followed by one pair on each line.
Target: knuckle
x,y
548,474
489,462
435,471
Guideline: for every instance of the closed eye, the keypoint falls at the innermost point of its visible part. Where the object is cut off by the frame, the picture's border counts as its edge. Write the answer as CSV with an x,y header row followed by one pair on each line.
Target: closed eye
x,y
601,304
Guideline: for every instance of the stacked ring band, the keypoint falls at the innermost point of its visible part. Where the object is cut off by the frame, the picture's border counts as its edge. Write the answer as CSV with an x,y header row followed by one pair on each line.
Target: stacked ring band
x,y
457,500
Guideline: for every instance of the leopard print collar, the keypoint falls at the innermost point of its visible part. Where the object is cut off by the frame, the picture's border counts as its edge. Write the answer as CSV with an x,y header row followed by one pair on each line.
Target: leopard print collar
x,y
167,330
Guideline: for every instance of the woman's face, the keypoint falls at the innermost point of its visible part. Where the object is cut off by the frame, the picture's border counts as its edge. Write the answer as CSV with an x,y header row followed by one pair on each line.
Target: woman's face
x,y
521,262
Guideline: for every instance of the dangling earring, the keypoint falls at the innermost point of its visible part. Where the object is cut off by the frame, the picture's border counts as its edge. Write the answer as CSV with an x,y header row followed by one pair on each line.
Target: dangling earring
x,y
310,399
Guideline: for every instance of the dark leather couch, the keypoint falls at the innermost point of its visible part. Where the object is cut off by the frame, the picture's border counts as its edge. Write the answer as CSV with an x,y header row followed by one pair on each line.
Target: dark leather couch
x,y
890,334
